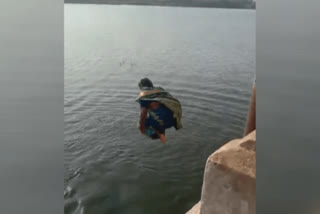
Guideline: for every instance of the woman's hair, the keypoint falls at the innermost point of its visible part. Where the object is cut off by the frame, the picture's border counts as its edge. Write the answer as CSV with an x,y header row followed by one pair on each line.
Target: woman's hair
x,y
145,83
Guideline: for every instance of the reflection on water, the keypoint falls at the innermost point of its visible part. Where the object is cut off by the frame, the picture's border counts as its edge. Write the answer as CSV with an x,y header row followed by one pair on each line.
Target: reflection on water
x,y
204,57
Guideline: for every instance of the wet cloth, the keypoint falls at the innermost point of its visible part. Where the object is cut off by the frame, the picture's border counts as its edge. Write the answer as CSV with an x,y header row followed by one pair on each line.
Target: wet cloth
x,y
168,101
160,118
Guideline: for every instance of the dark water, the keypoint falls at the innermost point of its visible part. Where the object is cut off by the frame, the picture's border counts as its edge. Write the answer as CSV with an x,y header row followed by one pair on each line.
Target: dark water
x,y
204,57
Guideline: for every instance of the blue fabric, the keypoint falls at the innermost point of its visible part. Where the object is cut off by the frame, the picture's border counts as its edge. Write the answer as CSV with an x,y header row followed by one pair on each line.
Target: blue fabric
x,y
151,133
160,118
144,103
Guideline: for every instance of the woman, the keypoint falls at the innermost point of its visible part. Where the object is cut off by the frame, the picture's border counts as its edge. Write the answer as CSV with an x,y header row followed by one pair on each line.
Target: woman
x,y
159,111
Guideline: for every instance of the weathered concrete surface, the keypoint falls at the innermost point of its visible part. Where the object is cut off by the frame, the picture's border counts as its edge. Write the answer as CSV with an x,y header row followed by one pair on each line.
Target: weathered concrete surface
x,y
229,185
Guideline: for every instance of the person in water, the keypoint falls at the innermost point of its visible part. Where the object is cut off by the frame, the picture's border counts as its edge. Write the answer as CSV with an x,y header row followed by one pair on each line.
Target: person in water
x,y
155,116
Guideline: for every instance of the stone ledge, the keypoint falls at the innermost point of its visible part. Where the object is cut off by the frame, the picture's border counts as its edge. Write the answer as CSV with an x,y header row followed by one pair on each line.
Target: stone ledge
x,y
238,155
229,185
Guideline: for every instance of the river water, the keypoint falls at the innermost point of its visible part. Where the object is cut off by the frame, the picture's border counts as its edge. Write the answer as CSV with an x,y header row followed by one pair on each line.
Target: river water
x,y
204,57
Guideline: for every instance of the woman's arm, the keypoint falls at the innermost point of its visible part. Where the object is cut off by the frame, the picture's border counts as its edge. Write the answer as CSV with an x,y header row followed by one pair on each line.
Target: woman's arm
x,y
251,120
143,118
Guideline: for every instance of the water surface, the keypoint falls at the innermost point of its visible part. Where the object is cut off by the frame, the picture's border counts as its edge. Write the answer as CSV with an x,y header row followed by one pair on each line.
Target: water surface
x,y
204,57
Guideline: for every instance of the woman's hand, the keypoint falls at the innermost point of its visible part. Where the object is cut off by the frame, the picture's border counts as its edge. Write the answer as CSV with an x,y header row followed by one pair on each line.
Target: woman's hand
x,y
143,129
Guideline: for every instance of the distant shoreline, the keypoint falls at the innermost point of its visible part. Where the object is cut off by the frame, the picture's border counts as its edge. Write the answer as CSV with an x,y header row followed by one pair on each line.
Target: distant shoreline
x,y
220,5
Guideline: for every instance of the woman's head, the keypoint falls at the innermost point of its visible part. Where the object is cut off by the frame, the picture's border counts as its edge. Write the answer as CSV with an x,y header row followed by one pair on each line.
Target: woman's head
x,y
145,84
